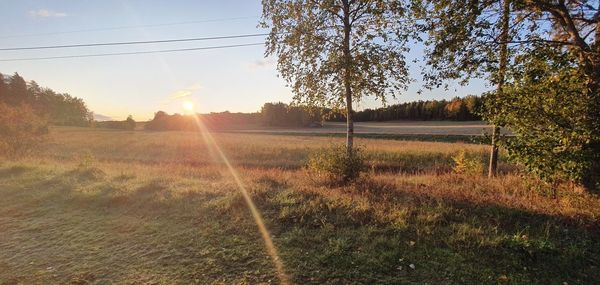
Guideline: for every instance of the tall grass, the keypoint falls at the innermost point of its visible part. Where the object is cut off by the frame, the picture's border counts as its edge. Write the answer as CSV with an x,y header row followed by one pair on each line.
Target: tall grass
x,y
253,150
155,208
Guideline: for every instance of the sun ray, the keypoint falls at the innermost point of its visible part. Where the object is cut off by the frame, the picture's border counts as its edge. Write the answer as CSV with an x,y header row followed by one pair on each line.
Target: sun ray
x,y
264,232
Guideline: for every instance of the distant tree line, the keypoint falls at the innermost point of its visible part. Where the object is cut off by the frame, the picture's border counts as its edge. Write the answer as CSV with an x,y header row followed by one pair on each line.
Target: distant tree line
x,y
55,108
127,124
224,120
457,109
283,115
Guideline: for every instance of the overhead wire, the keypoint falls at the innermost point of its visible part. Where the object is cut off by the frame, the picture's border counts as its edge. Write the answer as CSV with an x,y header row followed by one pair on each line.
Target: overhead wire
x,y
131,27
134,42
131,53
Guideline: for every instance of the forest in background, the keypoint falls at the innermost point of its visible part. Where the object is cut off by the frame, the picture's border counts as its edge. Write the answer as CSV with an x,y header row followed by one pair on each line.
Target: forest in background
x,y
62,109
54,108
284,115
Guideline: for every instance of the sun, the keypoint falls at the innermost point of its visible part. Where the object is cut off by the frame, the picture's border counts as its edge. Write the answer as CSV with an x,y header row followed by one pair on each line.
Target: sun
x,y
188,106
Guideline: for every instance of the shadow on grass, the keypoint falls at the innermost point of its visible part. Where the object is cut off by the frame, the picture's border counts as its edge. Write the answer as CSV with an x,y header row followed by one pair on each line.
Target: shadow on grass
x,y
369,234
373,238
15,170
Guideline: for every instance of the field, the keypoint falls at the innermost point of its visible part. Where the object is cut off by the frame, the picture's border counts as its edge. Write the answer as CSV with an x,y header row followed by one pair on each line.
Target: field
x,y
394,128
133,207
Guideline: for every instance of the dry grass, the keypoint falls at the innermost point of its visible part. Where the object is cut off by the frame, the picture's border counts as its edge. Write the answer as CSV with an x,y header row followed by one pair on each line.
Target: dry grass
x,y
156,208
249,150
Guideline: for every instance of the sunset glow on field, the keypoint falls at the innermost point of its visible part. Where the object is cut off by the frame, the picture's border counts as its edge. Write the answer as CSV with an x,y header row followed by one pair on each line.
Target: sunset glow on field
x,y
300,142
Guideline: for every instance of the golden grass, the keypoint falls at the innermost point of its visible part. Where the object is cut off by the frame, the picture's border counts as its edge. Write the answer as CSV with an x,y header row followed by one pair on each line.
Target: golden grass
x,y
155,208
248,150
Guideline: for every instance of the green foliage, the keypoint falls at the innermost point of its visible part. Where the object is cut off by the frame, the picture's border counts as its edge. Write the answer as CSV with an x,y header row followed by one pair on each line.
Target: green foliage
x,y
459,46
335,165
283,115
57,109
544,105
326,48
464,164
21,130
457,109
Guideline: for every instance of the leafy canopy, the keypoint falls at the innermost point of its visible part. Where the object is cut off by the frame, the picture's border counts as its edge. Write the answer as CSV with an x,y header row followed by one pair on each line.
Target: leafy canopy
x,y
308,39
544,105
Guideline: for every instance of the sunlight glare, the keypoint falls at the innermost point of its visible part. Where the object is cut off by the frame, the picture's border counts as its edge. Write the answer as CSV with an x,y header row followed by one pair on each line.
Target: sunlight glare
x,y
188,106
262,228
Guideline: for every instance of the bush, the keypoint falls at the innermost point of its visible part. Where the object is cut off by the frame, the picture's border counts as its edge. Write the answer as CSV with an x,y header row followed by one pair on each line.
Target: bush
x,y
335,166
20,129
86,159
466,165
128,124
546,104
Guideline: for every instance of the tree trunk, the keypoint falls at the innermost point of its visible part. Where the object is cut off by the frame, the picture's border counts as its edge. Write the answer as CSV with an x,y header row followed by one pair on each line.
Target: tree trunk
x,y
349,121
589,57
493,167
592,173
348,78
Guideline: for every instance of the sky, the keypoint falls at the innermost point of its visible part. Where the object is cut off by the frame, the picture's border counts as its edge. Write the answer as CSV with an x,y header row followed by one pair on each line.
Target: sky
x,y
235,79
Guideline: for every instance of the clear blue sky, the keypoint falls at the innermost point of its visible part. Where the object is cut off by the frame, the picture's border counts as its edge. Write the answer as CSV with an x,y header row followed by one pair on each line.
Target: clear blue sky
x,y
237,79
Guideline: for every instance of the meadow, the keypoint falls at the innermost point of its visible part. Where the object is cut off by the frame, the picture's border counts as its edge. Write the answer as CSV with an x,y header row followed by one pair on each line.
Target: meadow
x,y
94,206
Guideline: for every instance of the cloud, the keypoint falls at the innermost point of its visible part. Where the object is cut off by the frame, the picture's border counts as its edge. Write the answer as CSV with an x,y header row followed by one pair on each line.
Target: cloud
x,y
43,13
185,92
263,63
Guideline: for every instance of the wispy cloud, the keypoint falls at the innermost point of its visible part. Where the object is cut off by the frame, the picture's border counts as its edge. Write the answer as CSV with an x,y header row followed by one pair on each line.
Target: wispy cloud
x,y
44,13
263,63
185,92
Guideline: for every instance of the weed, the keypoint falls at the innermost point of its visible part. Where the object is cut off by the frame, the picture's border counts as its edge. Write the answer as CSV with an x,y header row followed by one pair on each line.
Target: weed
x,y
335,165
466,165
86,159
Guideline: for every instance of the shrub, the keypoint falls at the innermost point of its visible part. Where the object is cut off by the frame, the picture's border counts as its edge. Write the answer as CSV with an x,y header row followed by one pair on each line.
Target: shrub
x,y
86,159
466,165
128,124
335,166
21,130
546,105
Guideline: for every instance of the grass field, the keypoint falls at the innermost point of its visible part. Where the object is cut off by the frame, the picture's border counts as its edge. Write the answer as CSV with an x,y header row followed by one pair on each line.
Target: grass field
x,y
461,128
134,207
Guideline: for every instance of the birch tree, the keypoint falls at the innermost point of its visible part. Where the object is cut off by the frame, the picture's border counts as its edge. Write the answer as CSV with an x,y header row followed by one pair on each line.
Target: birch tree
x,y
333,53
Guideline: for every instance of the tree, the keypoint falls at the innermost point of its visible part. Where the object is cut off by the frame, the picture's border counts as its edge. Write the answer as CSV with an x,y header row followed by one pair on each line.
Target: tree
x,y
333,53
572,25
544,104
465,37
459,46
3,89
500,79
17,89
130,123
21,130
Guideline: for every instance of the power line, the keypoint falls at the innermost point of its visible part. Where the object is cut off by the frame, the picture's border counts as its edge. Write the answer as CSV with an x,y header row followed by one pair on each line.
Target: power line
x,y
131,27
131,53
135,42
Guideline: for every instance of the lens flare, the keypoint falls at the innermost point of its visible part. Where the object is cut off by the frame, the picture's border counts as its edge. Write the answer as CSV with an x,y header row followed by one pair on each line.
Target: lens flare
x,y
188,106
264,232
